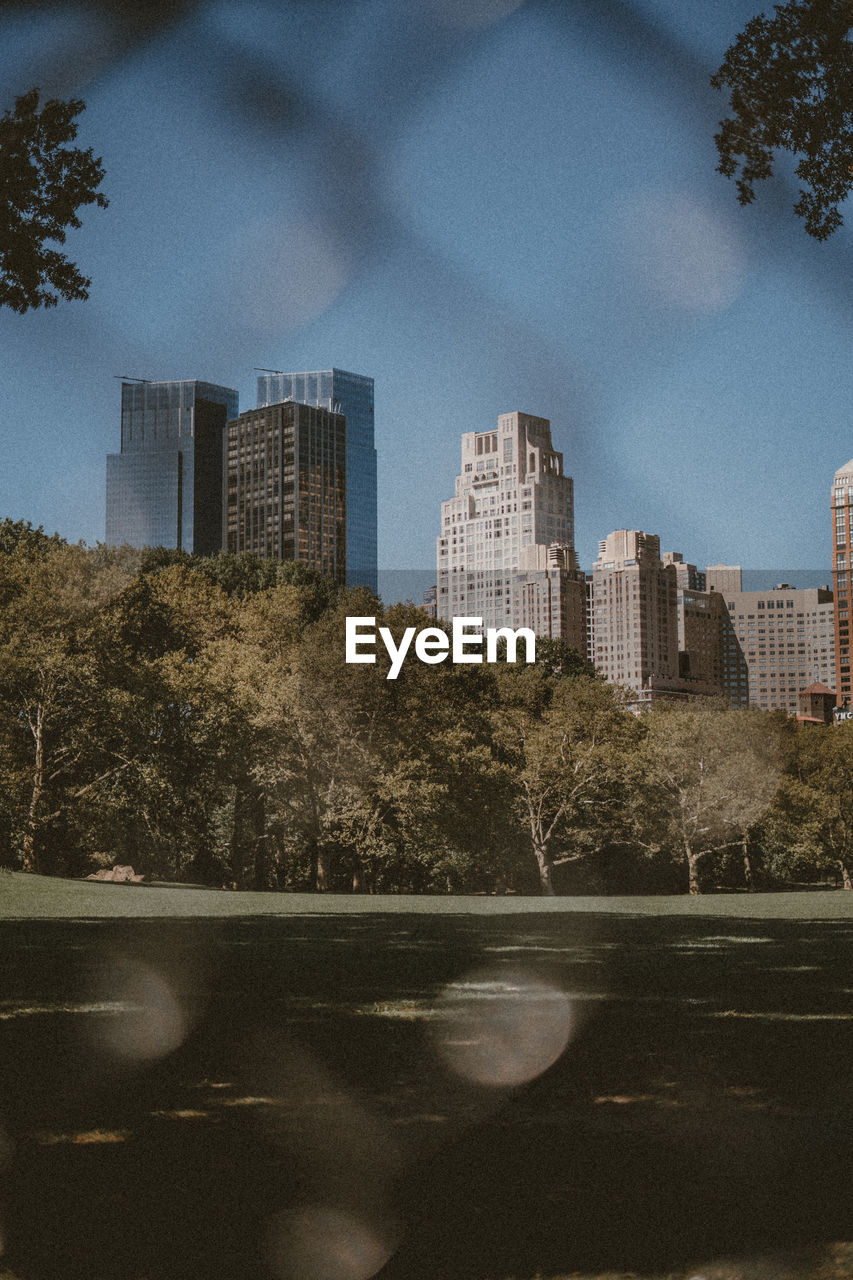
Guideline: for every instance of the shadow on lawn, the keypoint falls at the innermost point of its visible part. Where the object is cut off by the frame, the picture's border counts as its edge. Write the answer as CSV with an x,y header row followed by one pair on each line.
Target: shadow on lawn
x,y
272,1097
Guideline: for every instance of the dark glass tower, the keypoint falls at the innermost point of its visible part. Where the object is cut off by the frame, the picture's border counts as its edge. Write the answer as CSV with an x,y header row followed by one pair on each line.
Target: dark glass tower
x,y
286,485
165,487
352,395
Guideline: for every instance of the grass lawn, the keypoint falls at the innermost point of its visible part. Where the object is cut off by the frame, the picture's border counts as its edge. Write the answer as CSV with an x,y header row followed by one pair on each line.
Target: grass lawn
x,y
243,1086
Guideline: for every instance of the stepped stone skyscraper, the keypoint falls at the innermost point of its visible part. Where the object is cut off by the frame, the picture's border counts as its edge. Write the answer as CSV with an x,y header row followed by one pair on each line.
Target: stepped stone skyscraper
x,y
506,548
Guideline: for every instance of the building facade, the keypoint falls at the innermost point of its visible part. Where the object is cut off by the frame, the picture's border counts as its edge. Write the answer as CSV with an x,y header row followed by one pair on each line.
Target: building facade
x,y
786,642
724,577
352,395
634,612
285,486
548,594
512,502
165,486
842,550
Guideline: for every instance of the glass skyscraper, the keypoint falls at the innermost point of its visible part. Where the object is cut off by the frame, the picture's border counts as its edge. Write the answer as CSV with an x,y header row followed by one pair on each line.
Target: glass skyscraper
x,y
352,395
165,488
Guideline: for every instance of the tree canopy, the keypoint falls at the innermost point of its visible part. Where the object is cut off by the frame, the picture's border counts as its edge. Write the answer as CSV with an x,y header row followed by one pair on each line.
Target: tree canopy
x,y
196,718
790,78
43,183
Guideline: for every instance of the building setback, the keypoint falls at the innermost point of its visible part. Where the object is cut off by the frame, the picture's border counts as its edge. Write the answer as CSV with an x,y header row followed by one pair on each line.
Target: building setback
x,y
842,549
352,395
285,486
165,486
512,503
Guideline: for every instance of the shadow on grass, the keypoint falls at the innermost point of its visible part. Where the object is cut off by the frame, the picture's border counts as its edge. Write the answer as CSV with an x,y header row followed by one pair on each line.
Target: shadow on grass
x,y
280,1096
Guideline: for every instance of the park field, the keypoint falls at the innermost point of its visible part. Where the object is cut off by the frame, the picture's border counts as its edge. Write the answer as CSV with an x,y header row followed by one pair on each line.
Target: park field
x,y
201,1083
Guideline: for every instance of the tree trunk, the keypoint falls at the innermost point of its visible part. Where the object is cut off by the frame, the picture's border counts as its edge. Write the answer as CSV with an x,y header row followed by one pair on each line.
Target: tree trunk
x,y
543,861
322,869
30,860
748,873
248,837
693,859
846,875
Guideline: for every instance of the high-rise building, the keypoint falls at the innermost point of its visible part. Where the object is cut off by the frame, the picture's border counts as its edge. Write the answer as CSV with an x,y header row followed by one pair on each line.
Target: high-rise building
x,y
512,502
842,566
165,486
285,484
724,577
643,623
786,641
703,630
688,577
548,594
635,612
352,395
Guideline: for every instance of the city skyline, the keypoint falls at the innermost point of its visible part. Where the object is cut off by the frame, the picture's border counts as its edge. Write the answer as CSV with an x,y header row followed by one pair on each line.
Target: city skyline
x,y
491,207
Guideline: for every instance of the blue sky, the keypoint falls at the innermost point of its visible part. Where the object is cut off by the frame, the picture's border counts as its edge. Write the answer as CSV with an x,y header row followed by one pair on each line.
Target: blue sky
x,y
486,205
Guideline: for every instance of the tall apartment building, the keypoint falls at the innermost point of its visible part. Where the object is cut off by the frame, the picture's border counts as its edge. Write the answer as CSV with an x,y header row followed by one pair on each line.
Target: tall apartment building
x,y
786,642
352,395
165,486
512,501
635,613
704,632
688,577
653,630
285,485
842,567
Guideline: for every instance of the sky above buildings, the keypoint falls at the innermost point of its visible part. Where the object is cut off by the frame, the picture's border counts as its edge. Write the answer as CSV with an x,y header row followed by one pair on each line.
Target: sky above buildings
x,y
485,205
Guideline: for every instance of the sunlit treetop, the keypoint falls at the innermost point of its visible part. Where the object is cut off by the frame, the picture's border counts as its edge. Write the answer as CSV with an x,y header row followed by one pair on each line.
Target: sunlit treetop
x,y
790,79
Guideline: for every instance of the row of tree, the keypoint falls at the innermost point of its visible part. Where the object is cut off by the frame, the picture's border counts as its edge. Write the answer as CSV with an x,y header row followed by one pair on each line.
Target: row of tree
x,y
196,718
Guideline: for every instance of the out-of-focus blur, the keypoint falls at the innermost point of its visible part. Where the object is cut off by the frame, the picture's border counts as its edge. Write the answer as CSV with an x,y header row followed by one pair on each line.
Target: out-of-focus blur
x,y
502,1028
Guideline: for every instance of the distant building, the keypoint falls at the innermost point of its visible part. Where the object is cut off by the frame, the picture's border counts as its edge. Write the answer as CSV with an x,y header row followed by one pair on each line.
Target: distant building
x,y
165,486
688,577
842,550
785,638
816,704
286,486
352,395
548,594
429,601
512,501
703,632
635,620
723,577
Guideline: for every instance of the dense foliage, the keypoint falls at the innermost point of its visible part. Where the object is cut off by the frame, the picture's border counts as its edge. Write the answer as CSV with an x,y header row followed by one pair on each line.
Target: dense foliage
x,y
790,81
43,183
195,718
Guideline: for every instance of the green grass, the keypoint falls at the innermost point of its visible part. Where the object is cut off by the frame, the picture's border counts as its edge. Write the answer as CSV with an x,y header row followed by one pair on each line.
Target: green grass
x,y
24,897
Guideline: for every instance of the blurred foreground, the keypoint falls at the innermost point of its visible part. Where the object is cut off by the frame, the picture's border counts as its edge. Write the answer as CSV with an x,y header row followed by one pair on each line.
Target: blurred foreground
x,y
465,1096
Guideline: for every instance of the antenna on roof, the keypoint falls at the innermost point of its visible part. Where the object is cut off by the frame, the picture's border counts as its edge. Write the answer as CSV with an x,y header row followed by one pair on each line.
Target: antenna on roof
x,y
258,369
124,378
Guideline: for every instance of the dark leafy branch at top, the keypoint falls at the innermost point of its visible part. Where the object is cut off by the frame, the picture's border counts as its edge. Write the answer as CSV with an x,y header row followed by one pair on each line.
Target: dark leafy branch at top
x,y
43,183
790,78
